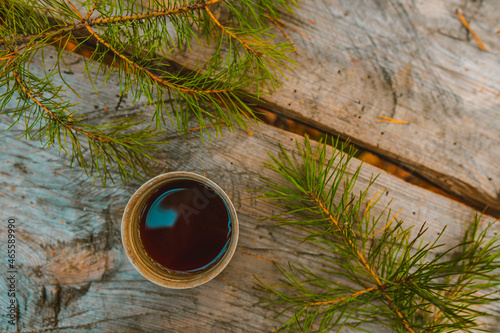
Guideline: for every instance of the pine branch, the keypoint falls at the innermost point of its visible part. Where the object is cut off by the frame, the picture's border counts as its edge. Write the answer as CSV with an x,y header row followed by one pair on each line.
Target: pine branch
x,y
68,27
53,117
397,285
154,77
348,297
362,259
110,145
132,41
230,34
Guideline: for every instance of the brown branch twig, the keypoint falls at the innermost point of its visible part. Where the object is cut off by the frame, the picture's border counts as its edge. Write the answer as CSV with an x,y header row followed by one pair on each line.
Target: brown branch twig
x,y
294,29
386,226
283,32
478,40
154,77
229,33
356,294
384,119
6,66
53,116
370,202
368,268
91,11
360,292
205,127
133,64
13,53
74,9
139,17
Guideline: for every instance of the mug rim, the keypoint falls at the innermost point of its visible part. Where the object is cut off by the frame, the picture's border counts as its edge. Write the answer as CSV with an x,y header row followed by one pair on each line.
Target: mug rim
x,y
136,253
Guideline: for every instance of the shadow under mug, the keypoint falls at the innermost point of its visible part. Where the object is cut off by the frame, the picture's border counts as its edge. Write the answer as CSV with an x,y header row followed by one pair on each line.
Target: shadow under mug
x,y
136,253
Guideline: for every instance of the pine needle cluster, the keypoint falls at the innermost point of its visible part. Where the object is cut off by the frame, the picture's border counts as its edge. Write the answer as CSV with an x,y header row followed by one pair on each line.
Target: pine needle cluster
x,y
378,270
133,39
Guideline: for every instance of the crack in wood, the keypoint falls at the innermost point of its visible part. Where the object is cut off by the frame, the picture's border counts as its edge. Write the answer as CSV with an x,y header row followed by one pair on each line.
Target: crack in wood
x,y
57,304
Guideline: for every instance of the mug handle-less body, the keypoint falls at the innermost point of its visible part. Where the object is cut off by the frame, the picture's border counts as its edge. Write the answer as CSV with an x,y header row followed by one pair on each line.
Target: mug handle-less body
x,y
138,256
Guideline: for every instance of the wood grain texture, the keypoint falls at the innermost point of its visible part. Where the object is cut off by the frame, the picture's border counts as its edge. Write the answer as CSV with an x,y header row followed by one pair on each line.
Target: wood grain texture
x,y
73,273
409,60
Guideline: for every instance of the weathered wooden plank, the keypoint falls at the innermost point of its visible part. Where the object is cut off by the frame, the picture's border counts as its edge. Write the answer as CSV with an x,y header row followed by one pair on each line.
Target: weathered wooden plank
x,y
408,60
74,275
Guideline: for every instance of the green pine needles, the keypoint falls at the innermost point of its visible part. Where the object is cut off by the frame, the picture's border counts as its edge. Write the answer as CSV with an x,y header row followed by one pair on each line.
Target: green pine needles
x,y
379,272
134,39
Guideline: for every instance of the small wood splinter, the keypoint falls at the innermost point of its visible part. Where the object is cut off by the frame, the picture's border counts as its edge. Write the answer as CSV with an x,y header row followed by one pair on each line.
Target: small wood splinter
x,y
390,120
478,40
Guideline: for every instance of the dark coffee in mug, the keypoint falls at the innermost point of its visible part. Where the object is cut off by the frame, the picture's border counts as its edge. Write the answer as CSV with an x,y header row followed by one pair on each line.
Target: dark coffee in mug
x,y
185,227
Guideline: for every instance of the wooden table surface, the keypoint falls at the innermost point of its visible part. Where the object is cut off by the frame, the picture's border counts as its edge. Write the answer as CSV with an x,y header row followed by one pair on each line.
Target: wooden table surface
x,y
410,60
